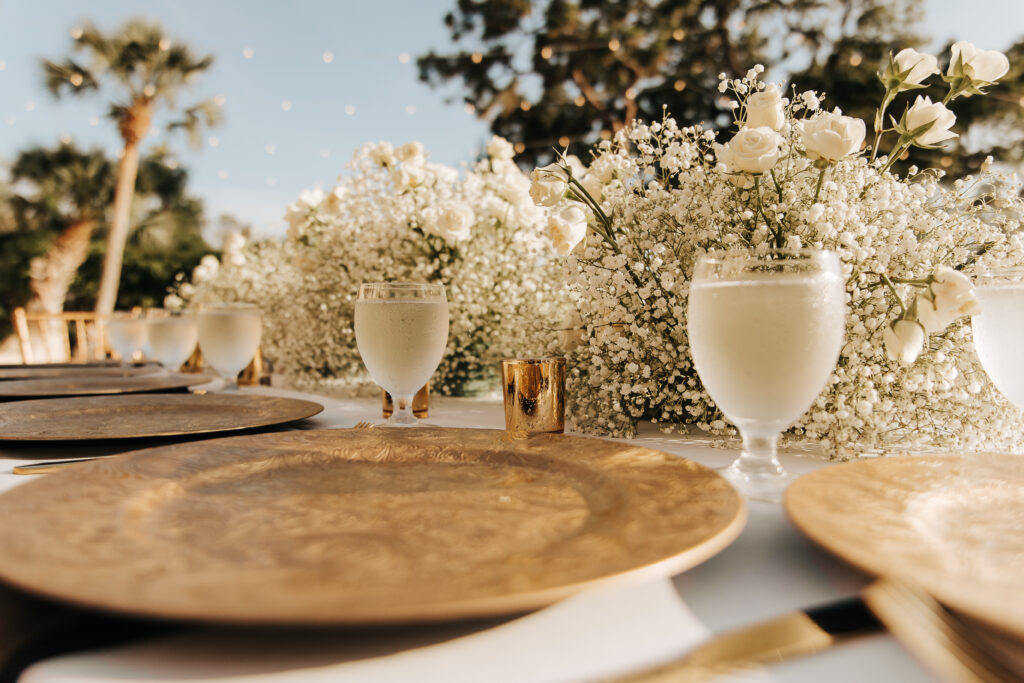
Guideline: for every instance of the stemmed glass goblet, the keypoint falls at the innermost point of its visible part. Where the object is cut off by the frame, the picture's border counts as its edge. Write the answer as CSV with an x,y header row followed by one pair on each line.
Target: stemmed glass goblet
x,y
401,331
126,332
998,329
229,335
172,336
765,330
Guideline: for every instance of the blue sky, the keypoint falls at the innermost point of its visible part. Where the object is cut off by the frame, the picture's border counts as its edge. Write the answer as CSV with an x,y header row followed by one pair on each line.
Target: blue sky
x,y
303,82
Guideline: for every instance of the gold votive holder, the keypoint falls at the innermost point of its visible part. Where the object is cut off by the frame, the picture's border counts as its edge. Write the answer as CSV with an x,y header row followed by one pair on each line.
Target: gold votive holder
x,y
420,403
534,393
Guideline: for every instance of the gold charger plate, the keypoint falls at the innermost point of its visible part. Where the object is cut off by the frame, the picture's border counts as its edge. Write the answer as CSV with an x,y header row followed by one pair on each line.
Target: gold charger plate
x,y
32,372
361,526
953,525
147,416
93,386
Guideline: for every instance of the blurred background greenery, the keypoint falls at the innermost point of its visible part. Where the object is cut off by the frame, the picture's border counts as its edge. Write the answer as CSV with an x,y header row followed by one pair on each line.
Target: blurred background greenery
x,y
553,74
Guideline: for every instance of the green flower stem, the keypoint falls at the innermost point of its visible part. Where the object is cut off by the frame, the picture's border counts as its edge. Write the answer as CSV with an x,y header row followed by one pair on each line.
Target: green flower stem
x,y
902,146
776,231
890,95
602,217
606,223
899,299
778,188
817,188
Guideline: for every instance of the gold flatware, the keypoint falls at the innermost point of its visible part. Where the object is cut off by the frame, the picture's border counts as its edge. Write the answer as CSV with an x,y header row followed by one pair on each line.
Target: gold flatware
x,y
951,648
48,467
785,637
938,638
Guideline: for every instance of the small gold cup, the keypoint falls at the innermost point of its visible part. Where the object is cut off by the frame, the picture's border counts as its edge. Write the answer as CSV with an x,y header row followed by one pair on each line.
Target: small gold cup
x,y
534,392
420,403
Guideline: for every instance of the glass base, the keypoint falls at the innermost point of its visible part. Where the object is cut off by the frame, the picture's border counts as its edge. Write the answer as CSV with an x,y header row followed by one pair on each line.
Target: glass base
x,y
765,484
390,422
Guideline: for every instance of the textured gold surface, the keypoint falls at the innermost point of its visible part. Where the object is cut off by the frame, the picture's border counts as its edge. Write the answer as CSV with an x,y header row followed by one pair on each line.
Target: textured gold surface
x,y
534,392
149,415
360,526
92,386
32,372
953,525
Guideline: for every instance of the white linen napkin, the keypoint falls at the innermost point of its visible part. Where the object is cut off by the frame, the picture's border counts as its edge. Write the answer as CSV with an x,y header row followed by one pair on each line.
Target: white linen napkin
x,y
595,634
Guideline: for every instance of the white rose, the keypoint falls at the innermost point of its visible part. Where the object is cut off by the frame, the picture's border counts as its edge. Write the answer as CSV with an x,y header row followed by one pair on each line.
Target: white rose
x,y
832,136
410,152
752,150
979,65
923,112
576,166
567,228
921,66
593,185
952,295
173,302
549,185
451,220
408,174
382,153
500,148
765,109
514,187
311,198
332,202
207,268
904,340
232,253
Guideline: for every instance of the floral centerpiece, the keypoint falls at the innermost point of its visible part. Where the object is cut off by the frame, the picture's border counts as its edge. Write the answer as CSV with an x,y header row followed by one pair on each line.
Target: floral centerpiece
x,y
657,195
397,216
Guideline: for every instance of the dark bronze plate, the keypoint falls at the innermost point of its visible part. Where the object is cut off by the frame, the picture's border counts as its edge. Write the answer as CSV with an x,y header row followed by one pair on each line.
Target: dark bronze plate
x,y
92,386
147,416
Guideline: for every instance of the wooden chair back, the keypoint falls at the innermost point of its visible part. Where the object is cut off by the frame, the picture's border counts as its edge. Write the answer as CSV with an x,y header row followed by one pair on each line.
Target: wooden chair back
x,y
59,337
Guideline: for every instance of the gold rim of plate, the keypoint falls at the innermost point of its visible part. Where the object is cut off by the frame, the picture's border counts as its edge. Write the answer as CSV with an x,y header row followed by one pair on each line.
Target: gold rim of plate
x,y
96,386
361,526
87,418
949,524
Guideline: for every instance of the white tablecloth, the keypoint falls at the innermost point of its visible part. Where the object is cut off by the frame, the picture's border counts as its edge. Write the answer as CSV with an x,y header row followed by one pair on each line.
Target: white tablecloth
x,y
769,570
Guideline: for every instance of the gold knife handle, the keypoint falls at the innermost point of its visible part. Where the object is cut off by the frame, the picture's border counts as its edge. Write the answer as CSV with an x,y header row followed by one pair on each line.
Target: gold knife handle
x,y
47,467
785,637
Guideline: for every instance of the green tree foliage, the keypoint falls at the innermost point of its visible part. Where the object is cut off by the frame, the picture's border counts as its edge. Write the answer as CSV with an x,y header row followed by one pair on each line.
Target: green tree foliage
x,y
141,70
57,186
568,72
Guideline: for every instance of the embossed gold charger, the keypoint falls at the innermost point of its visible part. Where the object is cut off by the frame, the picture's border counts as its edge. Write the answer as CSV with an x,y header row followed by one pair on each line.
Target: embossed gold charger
x,y
145,416
953,525
361,526
92,386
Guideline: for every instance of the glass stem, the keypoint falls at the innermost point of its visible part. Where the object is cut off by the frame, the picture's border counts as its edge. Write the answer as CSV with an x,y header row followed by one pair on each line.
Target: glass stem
x,y
403,411
759,457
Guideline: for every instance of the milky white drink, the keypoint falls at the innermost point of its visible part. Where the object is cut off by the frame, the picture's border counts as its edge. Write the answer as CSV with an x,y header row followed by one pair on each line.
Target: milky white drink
x,y
126,336
172,339
998,330
229,339
764,347
401,342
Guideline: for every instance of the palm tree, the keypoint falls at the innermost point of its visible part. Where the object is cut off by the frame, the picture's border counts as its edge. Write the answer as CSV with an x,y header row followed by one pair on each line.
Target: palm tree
x,y
144,70
71,191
